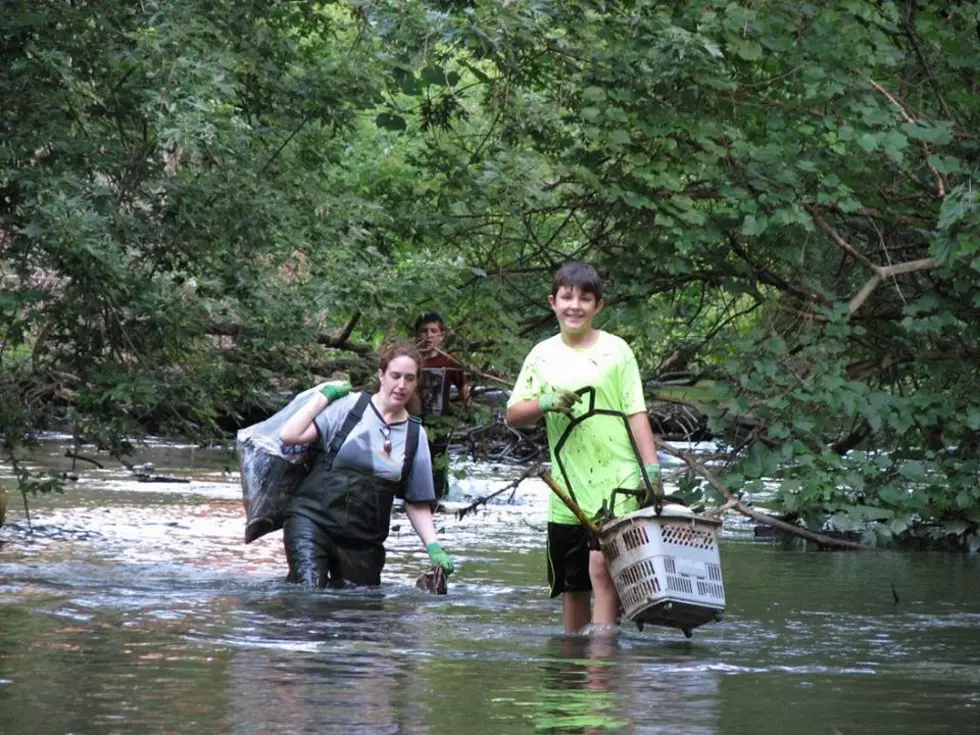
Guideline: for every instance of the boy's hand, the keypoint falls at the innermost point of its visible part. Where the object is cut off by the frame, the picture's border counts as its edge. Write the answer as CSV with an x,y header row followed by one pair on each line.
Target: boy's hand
x,y
440,558
559,401
653,472
656,480
336,389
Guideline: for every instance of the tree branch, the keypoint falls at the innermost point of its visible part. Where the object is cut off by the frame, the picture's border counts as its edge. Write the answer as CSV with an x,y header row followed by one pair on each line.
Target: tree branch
x,y
940,183
733,502
889,271
841,242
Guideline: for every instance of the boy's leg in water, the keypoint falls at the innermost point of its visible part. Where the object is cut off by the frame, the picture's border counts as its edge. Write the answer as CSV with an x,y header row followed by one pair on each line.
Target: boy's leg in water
x,y
605,608
575,610
568,573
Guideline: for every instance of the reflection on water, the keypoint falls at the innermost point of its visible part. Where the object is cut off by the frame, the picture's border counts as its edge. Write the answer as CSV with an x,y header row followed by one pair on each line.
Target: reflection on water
x,y
136,608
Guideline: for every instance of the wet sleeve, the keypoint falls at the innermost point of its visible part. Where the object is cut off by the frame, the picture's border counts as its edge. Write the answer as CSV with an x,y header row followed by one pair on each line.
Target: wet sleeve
x,y
418,486
631,383
529,382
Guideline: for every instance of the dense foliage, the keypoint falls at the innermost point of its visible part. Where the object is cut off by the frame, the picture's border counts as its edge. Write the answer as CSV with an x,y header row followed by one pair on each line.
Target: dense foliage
x,y
204,203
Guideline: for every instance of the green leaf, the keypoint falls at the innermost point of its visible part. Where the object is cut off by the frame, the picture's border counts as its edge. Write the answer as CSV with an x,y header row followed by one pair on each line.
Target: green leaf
x,y
391,121
973,418
938,133
868,142
898,526
748,50
946,164
753,225
433,75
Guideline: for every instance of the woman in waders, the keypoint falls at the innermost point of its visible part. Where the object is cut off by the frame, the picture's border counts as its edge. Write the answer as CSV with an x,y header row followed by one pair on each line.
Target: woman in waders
x,y
370,452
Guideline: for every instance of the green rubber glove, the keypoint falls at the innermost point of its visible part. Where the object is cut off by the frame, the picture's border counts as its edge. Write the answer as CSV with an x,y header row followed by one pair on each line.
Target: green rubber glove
x,y
559,401
656,479
336,389
440,558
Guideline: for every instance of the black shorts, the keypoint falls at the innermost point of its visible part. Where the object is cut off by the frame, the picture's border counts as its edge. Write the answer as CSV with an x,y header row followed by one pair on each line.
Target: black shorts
x,y
568,558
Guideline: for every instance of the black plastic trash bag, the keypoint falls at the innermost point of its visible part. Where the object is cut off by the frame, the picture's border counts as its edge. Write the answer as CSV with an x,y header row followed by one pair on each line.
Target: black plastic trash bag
x,y
270,471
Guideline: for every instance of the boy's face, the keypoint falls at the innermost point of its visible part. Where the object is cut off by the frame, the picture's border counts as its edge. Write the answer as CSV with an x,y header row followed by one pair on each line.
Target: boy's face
x,y
574,308
430,335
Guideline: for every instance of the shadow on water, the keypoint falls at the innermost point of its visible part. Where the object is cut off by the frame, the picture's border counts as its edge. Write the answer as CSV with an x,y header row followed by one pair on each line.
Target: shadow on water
x,y
136,608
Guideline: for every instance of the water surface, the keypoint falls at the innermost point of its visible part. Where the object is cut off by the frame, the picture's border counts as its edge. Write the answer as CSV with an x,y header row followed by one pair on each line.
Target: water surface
x,y
135,608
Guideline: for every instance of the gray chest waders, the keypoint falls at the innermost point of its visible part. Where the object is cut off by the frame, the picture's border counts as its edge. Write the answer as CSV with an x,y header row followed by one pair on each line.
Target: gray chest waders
x,y
338,520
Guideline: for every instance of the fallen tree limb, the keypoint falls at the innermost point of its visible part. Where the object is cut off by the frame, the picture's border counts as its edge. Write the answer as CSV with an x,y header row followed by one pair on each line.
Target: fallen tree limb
x,y
732,502
512,485
889,271
73,455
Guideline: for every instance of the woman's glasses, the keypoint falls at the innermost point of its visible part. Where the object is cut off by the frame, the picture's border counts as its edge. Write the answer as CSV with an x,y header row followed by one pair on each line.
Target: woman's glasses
x,y
386,433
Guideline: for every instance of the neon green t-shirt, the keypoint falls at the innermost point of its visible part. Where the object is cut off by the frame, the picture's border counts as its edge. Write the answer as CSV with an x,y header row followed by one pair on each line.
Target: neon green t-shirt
x,y
597,455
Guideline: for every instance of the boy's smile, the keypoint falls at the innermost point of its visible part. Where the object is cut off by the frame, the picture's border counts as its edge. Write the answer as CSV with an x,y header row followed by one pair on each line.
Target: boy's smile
x,y
575,309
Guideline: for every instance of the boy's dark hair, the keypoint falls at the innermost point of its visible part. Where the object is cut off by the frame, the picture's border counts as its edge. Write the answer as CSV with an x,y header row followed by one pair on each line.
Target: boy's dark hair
x,y
582,275
428,317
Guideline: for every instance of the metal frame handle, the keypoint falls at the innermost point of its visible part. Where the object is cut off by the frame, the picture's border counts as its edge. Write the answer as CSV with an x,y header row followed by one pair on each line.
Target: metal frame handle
x,y
593,411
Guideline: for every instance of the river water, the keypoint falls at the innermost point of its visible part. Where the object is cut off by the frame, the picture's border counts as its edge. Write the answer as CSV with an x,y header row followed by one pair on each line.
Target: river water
x,y
135,608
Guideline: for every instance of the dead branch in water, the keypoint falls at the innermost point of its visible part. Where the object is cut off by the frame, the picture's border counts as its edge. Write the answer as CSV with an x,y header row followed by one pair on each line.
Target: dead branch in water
x,y
512,485
734,503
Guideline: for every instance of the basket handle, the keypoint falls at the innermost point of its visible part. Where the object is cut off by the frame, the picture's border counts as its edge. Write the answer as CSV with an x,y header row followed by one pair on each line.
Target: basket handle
x,y
589,390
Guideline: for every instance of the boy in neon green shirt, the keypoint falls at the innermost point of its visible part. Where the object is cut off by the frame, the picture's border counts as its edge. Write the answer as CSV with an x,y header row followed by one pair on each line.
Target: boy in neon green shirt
x,y
597,455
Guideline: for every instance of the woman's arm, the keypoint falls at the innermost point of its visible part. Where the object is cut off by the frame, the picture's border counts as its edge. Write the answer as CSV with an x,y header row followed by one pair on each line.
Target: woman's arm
x,y
299,429
420,516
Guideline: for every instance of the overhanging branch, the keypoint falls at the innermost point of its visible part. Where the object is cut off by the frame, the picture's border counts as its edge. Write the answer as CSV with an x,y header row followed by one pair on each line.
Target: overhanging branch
x,y
734,503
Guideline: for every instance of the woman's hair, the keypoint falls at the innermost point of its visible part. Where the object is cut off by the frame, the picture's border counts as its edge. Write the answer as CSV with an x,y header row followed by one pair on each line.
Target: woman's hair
x,y
581,275
428,317
399,349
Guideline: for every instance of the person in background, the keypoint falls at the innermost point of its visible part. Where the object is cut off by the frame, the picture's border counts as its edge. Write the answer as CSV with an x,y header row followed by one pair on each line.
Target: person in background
x,y
440,372
597,455
338,519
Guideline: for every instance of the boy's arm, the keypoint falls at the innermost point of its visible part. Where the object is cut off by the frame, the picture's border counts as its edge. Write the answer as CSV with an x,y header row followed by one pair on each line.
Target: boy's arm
x,y
522,406
635,408
643,434
532,398
524,413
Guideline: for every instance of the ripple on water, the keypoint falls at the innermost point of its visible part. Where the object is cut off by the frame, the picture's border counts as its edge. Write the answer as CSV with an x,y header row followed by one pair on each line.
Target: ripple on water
x,y
132,596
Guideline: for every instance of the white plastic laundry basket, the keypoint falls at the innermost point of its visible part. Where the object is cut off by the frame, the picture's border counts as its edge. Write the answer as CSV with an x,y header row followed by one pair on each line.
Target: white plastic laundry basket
x,y
666,568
